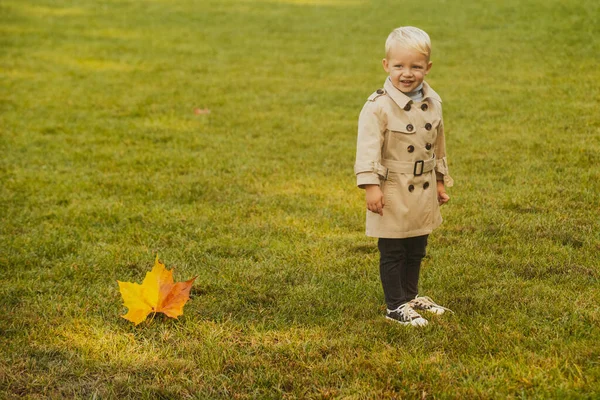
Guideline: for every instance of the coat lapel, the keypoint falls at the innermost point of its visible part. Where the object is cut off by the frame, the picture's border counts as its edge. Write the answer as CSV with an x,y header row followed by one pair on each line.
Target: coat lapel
x,y
402,100
399,98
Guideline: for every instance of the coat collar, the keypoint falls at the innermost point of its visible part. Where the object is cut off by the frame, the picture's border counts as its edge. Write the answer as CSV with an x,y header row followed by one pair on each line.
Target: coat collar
x,y
402,100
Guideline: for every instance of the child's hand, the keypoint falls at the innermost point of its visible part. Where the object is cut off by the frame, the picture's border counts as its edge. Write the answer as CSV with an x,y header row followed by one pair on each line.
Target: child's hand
x,y
375,201
443,197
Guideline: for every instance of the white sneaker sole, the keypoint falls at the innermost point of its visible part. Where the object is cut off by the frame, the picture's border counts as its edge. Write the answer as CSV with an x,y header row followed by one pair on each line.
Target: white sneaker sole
x,y
414,322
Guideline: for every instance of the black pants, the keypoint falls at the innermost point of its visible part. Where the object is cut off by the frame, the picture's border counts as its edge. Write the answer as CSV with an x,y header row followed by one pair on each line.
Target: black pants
x,y
399,267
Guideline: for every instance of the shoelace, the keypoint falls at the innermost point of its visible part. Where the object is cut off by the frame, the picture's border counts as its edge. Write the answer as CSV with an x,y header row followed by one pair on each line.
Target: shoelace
x,y
407,312
426,302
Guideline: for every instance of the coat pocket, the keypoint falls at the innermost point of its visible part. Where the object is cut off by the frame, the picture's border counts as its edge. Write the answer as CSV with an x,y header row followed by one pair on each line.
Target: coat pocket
x,y
399,128
401,141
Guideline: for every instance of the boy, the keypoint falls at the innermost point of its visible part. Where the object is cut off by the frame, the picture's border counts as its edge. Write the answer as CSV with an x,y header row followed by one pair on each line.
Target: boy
x,y
401,164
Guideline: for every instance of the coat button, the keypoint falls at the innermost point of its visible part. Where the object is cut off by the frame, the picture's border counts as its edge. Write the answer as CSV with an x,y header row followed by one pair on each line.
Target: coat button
x,y
409,127
411,148
428,126
428,146
424,107
379,91
407,107
411,188
425,185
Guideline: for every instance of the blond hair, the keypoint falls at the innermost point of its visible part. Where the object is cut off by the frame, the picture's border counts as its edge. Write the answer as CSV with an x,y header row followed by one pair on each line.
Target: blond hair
x,y
411,38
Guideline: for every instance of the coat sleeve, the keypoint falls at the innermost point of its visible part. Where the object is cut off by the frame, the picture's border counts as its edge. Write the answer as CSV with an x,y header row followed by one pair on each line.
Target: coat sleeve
x,y
441,163
371,130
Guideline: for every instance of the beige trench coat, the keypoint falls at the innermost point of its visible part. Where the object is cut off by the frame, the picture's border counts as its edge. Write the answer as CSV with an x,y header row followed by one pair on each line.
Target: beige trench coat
x,y
401,147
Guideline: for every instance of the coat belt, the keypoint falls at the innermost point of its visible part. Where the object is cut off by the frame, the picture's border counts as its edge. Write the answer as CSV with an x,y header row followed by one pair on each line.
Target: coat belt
x,y
416,168
382,169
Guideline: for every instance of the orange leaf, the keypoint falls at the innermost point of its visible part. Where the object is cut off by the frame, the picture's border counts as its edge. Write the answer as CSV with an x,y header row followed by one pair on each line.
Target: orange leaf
x,y
157,293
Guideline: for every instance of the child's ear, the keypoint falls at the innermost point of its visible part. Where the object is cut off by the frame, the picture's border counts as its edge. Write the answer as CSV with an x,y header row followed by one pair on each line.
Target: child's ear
x,y
386,66
429,64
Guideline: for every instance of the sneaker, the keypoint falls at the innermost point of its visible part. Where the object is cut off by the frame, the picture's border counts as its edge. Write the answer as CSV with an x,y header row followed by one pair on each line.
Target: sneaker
x,y
425,303
406,316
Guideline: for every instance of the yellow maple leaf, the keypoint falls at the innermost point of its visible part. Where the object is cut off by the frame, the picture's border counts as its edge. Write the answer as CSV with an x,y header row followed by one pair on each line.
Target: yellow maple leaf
x,y
157,293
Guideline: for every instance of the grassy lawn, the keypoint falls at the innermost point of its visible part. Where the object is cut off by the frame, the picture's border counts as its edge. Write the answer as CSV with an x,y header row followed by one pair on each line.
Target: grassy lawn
x,y
105,164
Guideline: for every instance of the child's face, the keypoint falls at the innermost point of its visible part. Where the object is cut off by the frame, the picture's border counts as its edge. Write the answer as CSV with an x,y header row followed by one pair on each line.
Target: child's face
x,y
406,67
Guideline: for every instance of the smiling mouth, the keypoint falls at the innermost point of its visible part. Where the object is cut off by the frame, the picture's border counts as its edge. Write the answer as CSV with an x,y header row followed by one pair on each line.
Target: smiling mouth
x,y
406,82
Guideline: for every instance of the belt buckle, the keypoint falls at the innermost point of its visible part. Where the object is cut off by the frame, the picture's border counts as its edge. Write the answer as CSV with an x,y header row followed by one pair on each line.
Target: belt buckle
x,y
422,163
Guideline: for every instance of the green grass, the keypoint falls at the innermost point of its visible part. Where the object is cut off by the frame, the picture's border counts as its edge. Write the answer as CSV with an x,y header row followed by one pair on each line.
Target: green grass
x,y
104,164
